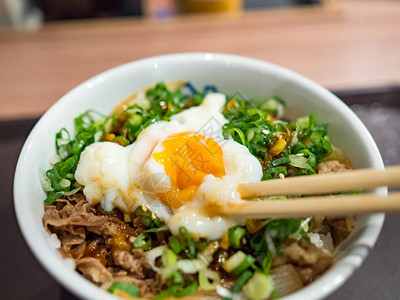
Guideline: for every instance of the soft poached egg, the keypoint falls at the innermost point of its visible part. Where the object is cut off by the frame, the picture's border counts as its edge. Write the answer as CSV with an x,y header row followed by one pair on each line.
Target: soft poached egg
x,y
174,168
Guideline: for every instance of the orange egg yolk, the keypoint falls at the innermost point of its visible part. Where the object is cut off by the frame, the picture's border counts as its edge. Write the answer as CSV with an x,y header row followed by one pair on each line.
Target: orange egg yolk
x,y
187,158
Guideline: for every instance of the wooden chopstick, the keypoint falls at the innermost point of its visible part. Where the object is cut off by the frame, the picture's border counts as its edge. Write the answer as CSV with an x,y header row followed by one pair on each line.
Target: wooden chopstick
x,y
314,206
324,183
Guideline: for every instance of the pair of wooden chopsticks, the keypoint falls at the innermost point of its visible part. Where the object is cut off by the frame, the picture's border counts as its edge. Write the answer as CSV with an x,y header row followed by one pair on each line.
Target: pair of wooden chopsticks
x,y
319,205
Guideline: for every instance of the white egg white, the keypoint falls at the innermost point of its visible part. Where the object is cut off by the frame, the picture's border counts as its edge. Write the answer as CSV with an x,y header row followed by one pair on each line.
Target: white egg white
x,y
126,177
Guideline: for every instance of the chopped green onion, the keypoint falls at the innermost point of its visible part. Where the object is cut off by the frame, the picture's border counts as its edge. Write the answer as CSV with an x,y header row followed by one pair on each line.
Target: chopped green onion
x,y
303,121
259,287
281,161
266,261
147,218
65,183
45,182
205,276
52,197
168,292
251,127
241,281
168,258
163,294
141,243
191,288
311,224
175,279
191,266
176,287
128,288
121,141
157,229
200,246
175,244
281,228
274,105
61,176
244,265
135,120
127,218
304,234
71,192
186,239
235,235
63,143
234,261
147,221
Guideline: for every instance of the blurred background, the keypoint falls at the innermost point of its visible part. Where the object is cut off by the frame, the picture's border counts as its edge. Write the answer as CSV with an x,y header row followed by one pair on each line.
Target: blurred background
x,y
47,47
50,46
31,14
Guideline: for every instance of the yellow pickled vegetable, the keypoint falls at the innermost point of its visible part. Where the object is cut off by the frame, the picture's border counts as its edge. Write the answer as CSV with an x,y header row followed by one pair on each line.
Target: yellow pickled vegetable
x,y
277,147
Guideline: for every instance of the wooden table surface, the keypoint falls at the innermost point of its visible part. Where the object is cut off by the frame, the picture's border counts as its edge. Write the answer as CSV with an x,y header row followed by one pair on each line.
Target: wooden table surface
x,y
356,45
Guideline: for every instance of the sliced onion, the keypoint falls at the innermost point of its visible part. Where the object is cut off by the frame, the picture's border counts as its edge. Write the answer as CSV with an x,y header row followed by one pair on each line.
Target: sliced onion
x,y
286,280
152,255
191,266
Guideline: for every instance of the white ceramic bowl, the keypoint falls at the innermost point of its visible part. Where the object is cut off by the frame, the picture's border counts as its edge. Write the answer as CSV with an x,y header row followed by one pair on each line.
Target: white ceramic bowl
x,y
250,77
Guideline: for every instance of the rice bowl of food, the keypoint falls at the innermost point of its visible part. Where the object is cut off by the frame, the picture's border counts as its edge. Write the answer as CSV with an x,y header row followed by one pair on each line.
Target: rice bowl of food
x,y
116,185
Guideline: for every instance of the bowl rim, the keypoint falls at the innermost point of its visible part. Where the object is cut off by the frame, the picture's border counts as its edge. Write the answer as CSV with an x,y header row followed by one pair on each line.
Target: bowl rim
x,y
76,284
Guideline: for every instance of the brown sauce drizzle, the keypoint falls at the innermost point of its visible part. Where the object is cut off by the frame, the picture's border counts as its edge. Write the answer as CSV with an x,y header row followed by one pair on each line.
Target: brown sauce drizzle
x,y
120,240
93,249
